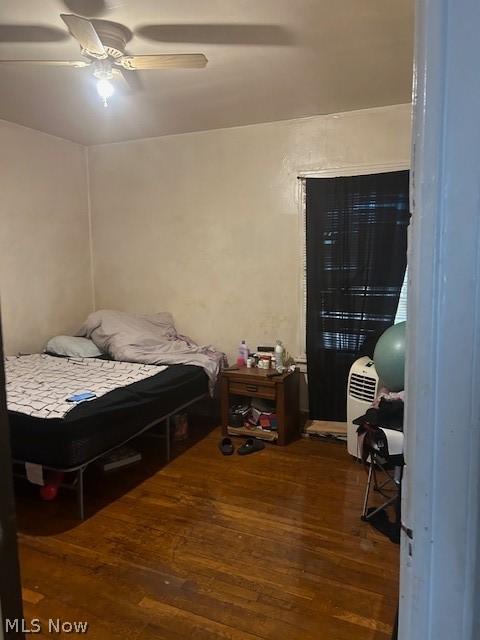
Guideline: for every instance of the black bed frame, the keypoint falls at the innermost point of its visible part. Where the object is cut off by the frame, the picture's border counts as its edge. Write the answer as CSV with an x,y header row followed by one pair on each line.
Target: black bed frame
x,y
78,483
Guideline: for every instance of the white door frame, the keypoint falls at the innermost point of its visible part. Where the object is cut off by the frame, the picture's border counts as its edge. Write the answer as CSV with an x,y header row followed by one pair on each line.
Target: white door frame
x,y
440,563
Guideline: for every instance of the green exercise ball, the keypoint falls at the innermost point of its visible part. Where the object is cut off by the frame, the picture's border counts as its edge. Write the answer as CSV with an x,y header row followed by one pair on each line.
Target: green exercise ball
x,y
389,357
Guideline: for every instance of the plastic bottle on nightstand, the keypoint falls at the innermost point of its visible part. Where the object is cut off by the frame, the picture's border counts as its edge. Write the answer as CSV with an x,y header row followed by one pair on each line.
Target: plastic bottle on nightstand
x,y
279,356
243,353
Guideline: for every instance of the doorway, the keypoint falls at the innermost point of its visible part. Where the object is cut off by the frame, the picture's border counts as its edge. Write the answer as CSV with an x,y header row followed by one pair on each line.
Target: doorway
x,y
11,610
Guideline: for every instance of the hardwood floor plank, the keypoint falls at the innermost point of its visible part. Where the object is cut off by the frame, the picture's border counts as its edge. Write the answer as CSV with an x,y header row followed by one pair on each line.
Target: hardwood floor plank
x,y
30,596
367,623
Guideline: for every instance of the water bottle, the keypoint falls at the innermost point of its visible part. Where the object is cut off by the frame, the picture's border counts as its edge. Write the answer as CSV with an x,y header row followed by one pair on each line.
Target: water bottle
x,y
243,353
279,356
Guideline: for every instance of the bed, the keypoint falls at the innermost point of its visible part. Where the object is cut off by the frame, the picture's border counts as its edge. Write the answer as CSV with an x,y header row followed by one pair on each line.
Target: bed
x,y
48,430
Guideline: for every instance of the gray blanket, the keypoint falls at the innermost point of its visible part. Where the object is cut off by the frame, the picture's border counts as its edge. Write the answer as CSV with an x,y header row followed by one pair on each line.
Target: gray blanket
x,y
148,339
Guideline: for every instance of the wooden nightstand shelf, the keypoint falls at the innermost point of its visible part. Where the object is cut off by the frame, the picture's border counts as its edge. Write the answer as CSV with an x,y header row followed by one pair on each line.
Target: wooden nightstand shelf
x,y
255,383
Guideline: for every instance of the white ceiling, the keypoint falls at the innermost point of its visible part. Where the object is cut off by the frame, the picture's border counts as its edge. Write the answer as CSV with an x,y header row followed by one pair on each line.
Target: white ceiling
x,y
304,57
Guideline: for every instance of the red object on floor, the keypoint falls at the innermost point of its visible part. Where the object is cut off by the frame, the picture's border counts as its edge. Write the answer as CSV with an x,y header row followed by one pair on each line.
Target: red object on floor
x,y
49,491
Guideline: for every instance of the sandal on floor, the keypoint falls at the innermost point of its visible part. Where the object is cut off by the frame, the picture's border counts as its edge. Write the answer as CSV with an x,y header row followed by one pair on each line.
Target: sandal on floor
x,y
250,446
226,446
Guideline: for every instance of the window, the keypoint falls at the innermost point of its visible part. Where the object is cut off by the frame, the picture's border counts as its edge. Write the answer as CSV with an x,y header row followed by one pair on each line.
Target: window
x,y
302,199
356,233
401,315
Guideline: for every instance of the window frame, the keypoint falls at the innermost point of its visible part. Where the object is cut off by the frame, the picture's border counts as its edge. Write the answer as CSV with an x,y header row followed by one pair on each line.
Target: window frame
x,y
333,172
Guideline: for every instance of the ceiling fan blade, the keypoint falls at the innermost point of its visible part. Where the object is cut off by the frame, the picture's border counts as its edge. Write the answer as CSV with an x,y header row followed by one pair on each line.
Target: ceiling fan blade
x,y
53,63
88,8
241,34
84,31
164,61
130,79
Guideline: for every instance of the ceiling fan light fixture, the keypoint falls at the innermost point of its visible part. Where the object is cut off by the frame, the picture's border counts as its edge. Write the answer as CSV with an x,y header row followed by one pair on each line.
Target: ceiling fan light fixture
x,y
102,70
103,42
105,90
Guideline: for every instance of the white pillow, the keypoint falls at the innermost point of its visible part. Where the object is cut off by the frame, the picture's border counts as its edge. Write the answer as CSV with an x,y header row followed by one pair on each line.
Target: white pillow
x,y
73,347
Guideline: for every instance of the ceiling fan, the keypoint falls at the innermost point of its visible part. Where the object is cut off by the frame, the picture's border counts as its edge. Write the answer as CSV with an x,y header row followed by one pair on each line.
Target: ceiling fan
x,y
103,43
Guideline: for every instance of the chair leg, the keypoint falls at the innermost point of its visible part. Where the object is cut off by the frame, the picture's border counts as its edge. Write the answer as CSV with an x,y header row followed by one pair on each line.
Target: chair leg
x,y
367,489
392,479
383,506
376,486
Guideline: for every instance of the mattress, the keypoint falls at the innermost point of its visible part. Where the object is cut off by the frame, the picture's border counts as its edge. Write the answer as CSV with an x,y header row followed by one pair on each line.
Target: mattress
x,y
41,385
91,428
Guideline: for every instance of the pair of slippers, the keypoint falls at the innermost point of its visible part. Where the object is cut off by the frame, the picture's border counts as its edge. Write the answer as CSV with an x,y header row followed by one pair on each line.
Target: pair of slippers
x,y
249,446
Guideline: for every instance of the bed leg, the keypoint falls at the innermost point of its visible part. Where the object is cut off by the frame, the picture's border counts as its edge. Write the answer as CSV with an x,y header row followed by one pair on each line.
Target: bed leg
x,y
167,438
80,495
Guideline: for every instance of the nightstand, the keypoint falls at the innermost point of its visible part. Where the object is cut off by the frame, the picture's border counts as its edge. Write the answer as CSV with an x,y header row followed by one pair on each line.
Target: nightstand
x,y
281,390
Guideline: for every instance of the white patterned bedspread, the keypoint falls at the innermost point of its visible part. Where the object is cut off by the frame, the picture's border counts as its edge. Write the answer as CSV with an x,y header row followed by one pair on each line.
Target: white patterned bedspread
x,y
39,384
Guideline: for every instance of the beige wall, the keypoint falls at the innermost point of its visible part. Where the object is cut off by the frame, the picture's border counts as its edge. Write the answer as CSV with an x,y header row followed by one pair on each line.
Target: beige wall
x,y
206,225
45,279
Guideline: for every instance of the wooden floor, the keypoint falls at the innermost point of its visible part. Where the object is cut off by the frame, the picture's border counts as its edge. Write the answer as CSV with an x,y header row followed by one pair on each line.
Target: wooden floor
x,y
267,546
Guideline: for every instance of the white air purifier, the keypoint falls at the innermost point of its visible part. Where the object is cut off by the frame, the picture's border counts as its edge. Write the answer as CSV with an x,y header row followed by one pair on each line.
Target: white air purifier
x,y
362,390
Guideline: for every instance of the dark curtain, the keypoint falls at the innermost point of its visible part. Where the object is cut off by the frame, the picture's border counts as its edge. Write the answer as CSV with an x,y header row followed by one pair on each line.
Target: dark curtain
x,y
356,260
